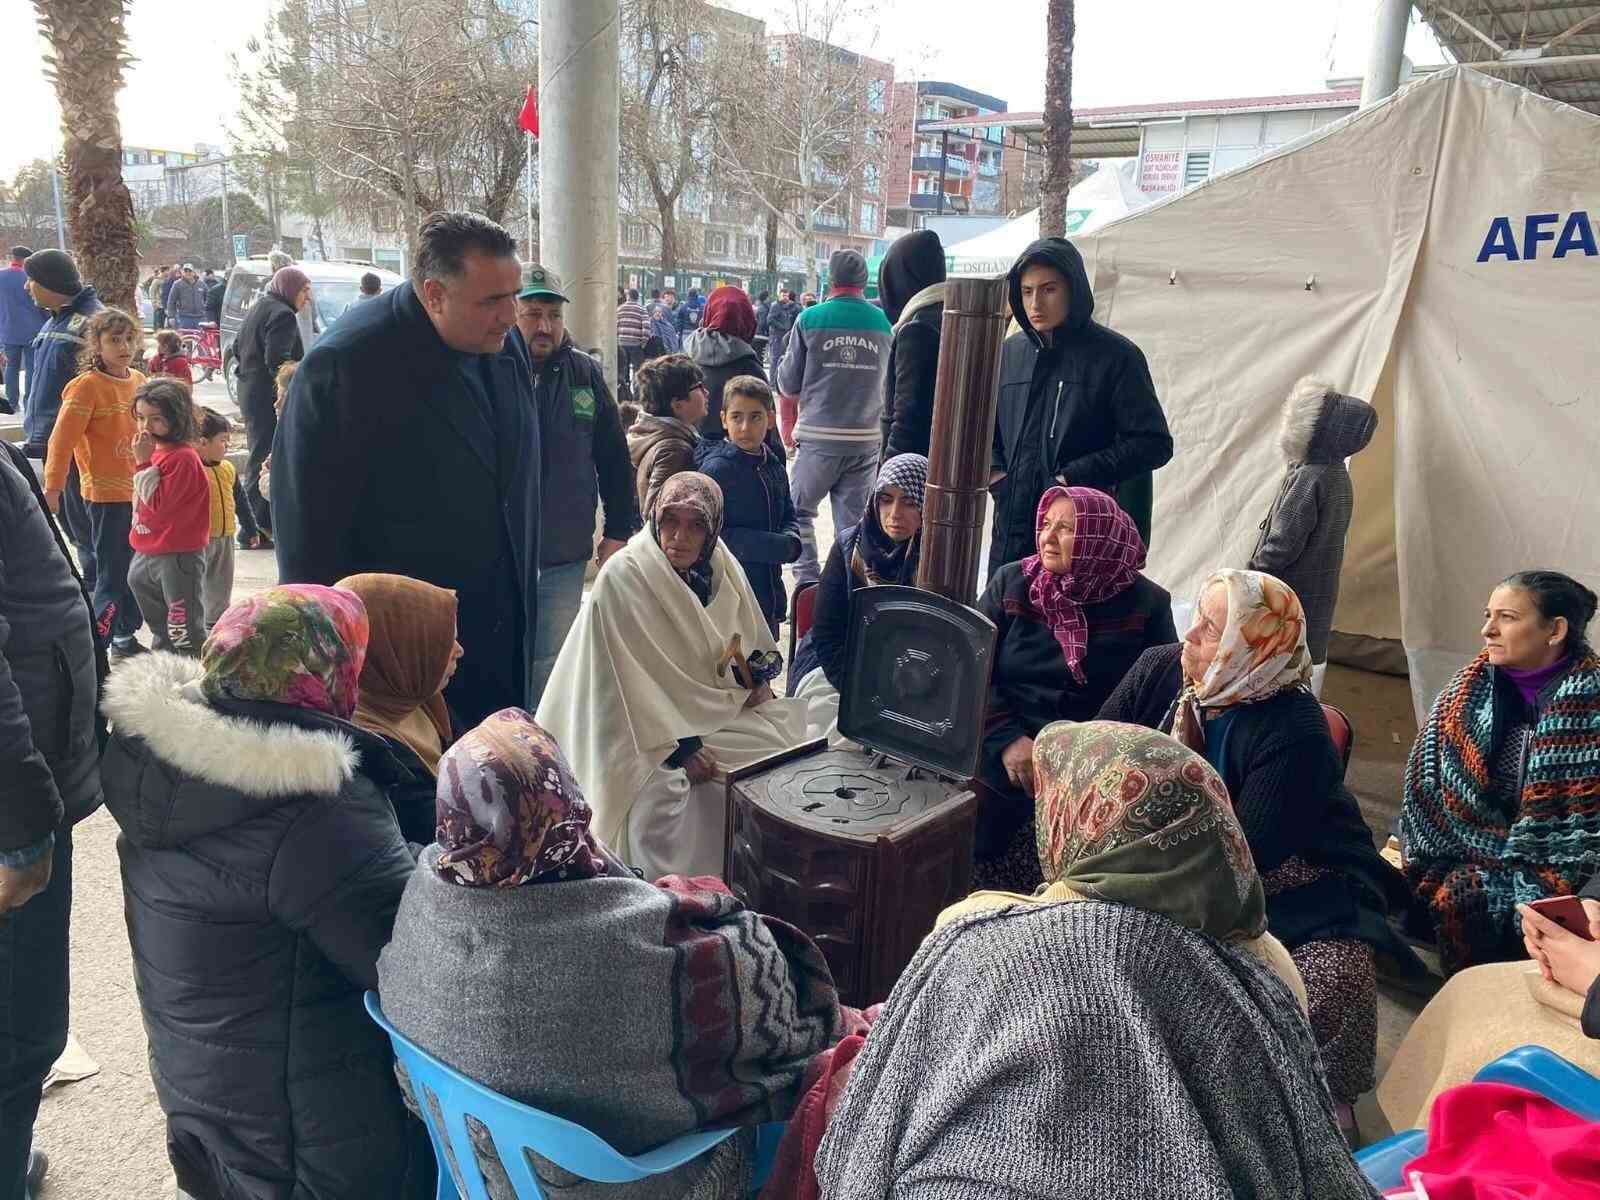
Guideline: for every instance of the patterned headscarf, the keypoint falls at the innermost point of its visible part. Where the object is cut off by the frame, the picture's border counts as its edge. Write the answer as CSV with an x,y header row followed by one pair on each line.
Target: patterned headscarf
x,y
876,557
1262,652
702,496
510,811
297,644
1107,555
1128,815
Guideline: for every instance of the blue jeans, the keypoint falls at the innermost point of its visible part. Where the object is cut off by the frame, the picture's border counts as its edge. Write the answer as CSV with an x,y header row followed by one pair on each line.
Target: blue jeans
x,y
188,320
18,360
560,597
33,1011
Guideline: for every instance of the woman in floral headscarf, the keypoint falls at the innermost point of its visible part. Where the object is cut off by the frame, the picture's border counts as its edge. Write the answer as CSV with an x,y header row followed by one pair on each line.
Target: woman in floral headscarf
x,y
1072,618
1178,1053
262,865
1238,691
664,680
521,917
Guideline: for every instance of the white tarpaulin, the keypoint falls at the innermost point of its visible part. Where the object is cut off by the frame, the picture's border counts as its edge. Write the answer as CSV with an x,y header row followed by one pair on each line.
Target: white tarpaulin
x,y
1105,196
1435,253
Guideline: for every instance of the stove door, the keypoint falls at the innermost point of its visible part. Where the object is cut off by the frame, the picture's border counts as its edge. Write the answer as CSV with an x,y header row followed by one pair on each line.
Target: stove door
x,y
917,678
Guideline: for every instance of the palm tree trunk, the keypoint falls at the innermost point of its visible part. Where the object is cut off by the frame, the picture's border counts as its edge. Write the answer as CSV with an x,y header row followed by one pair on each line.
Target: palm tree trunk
x,y
88,52
1060,28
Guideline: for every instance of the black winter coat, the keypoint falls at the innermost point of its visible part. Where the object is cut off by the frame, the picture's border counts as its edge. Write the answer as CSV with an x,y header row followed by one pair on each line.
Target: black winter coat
x,y
1287,785
759,523
1030,685
825,645
49,752
1083,410
386,460
268,338
261,870
584,453
914,264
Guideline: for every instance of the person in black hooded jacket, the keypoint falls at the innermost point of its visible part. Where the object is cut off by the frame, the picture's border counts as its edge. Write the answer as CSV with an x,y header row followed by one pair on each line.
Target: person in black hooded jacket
x,y
1077,405
262,866
911,286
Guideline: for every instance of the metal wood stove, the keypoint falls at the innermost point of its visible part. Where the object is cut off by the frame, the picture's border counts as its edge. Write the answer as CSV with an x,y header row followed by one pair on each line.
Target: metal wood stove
x,y
861,849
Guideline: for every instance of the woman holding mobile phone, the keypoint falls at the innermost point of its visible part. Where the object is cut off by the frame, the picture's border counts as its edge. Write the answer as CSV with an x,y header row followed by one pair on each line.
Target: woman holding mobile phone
x,y
1551,999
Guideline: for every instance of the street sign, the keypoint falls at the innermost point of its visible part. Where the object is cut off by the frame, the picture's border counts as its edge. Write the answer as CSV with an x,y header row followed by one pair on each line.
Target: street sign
x,y
241,245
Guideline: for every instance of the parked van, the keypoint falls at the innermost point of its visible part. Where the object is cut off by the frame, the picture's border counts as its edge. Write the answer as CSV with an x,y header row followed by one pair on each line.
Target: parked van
x,y
334,288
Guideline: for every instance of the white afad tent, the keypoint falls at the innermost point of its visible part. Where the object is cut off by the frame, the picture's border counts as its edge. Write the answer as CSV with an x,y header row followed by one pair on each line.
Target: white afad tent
x,y
1110,193
1436,254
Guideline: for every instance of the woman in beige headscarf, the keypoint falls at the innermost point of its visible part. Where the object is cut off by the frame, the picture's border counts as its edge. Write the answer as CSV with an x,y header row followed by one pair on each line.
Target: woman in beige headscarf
x,y
1237,690
411,656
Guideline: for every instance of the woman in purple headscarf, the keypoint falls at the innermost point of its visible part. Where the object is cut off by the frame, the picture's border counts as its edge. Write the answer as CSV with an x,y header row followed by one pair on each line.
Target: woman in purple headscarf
x,y
269,337
1073,617
528,957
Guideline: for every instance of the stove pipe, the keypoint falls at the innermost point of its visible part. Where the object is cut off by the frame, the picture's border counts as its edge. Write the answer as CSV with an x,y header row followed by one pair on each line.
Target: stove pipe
x,y
964,400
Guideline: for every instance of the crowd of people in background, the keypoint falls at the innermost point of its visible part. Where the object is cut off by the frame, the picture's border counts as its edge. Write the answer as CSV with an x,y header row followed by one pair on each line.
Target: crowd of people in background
x,y
425,762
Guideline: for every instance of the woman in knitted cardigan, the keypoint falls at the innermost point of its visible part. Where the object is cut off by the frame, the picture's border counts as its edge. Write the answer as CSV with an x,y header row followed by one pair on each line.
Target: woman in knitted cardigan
x,y
1131,1031
1502,793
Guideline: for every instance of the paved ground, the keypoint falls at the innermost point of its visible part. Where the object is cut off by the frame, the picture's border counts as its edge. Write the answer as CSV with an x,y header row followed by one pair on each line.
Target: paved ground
x,y
105,1135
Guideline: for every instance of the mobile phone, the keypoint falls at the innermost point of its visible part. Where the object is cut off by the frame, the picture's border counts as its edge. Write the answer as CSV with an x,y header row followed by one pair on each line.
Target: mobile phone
x,y
1565,911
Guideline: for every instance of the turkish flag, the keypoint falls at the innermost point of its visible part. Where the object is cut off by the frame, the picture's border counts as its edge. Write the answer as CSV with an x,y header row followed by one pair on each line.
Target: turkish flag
x,y
528,118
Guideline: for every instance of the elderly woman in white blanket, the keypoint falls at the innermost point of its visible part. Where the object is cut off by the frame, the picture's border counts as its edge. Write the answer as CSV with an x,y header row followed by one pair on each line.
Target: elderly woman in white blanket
x,y
664,682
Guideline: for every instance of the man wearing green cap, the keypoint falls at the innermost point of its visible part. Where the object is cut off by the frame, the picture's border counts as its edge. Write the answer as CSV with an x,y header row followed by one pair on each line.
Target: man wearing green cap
x,y
585,459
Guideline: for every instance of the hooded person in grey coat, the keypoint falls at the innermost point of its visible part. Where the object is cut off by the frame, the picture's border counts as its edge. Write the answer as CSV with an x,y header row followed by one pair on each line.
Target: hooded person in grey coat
x,y
1302,539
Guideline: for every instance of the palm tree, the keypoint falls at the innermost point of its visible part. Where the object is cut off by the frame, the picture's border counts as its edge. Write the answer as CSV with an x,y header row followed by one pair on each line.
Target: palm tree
x,y
88,53
1060,27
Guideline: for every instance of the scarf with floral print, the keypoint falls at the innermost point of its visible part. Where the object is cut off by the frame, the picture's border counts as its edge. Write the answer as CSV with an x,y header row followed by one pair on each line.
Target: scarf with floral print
x,y
299,644
1262,652
1128,815
510,811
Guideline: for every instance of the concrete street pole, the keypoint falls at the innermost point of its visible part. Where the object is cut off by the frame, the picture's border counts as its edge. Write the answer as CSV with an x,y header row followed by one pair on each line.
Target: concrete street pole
x,y
55,192
1389,21
578,114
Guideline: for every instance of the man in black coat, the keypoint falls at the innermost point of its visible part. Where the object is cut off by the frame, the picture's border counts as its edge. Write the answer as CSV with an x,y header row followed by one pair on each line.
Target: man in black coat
x,y
911,286
1077,405
585,460
409,445
49,779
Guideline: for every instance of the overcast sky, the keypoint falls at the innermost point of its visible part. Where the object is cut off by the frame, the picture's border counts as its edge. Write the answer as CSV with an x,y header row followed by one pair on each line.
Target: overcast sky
x,y
181,90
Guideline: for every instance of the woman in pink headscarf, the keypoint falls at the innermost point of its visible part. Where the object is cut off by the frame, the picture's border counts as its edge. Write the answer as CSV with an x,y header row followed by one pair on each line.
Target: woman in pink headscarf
x,y
269,337
1072,618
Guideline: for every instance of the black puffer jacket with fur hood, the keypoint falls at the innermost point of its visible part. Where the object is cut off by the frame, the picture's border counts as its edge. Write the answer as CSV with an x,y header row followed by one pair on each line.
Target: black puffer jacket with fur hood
x,y
261,869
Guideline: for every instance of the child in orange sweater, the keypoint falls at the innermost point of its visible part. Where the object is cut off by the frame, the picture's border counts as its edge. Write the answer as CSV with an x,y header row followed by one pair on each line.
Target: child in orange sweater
x,y
89,470
171,516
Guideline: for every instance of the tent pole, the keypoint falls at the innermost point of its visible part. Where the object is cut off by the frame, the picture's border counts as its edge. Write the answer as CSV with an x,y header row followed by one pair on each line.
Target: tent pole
x,y
1389,21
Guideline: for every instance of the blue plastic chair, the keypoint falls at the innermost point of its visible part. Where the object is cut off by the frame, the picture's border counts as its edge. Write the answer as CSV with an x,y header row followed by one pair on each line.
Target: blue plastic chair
x,y
1548,1074
514,1126
1534,1068
1383,1163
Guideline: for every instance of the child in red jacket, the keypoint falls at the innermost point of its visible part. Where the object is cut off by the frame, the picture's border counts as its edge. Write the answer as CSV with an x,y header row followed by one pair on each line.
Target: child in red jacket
x,y
169,358
171,516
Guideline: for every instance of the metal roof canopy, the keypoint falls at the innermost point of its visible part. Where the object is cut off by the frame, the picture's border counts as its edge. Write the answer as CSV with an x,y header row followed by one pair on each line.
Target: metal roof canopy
x,y
1549,48
1115,132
